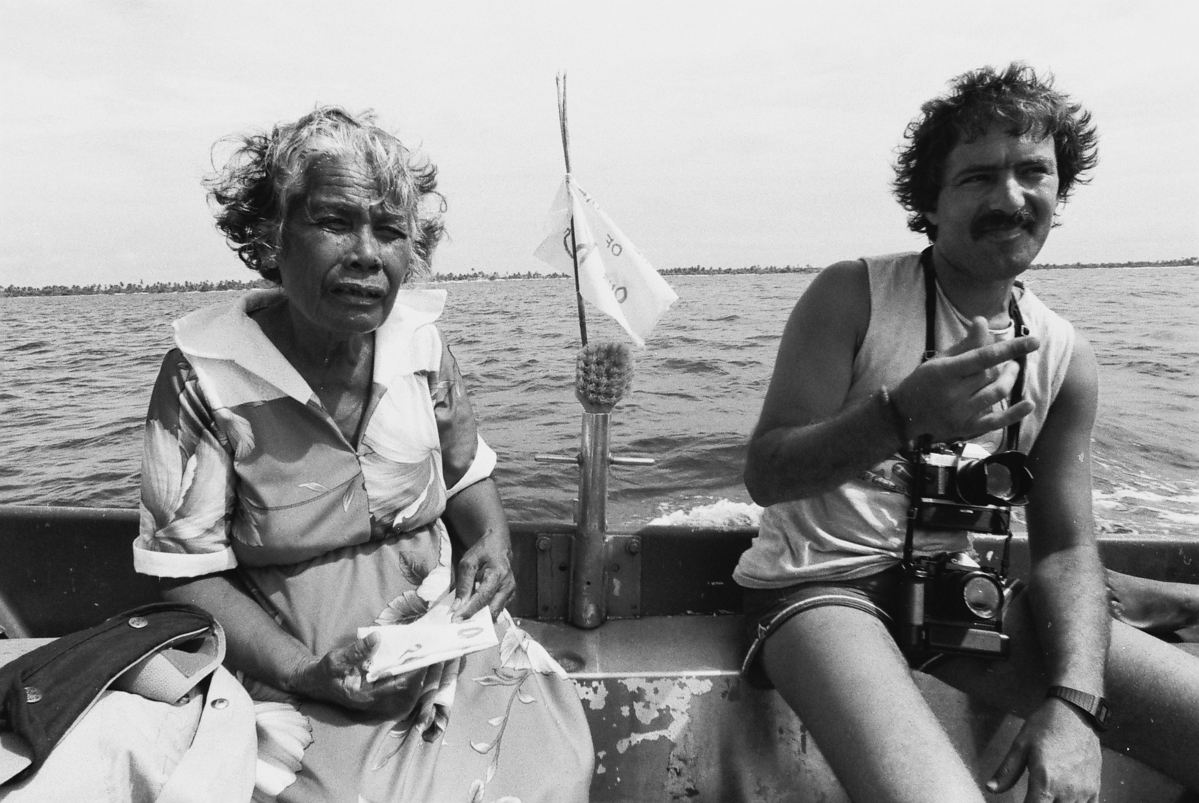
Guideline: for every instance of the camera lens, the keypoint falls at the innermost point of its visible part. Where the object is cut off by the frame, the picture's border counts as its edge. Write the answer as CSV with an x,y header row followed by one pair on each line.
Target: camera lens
x,y
982,596
999,481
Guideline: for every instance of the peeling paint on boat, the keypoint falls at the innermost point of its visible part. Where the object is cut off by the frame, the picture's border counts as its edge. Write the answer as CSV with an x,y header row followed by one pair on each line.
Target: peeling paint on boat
x,y
666,698
592,692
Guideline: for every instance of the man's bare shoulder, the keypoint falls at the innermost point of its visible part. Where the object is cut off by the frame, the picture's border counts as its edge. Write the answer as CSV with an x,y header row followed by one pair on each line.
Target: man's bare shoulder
x,y
838,299
847,270
1081,386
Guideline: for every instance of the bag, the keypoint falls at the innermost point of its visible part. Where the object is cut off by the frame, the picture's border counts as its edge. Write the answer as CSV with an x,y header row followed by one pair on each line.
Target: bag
x,y
159,651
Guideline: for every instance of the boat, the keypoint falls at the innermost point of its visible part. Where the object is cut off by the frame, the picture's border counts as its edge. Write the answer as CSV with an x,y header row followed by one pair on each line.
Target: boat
x,y
645,621
670,716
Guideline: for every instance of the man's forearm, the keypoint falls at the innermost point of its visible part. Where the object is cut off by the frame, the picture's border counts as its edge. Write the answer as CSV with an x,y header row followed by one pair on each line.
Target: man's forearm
x,y
789,463
1069,601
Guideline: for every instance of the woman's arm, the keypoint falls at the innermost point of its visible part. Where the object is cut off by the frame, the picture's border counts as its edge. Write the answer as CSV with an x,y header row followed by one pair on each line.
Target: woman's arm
x,y
255,643
258,646
473,514
475,517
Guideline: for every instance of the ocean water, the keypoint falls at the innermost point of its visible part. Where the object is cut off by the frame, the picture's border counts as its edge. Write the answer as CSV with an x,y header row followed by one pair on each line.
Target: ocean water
x,y
76,373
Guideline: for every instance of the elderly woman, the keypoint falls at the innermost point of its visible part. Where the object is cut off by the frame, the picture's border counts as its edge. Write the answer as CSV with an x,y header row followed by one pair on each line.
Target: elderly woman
x,y
310,456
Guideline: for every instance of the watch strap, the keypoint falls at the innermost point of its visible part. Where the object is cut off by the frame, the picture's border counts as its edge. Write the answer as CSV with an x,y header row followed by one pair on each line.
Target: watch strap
x,y
1095,708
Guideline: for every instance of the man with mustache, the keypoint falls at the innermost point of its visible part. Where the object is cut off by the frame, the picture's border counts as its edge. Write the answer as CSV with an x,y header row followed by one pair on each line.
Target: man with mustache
x,y
882,359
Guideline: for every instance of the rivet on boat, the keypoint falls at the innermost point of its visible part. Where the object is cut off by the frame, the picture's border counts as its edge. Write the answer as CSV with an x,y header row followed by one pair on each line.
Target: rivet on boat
x,y
138,622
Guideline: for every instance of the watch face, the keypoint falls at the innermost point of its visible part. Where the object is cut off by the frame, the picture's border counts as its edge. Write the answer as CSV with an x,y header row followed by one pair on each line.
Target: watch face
x,y
1102,713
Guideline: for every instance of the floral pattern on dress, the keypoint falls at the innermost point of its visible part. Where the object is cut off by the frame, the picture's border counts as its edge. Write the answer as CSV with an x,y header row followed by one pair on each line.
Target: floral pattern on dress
x,y
186,495
520,657
432,581
283,736
401,493
432,711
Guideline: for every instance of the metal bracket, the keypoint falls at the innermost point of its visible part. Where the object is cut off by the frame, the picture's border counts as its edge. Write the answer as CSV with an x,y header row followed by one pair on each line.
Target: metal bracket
x,y
553,575
622,586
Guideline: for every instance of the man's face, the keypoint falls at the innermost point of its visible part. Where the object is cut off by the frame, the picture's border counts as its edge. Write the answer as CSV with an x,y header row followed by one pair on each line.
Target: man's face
x,y
996,204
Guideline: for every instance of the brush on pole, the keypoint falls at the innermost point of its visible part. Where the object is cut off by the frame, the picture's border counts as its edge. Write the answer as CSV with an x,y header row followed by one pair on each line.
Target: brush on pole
x,y
603,375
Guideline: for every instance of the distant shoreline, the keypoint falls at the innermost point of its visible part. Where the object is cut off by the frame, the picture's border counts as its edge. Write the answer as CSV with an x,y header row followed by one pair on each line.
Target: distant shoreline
x,y
141,288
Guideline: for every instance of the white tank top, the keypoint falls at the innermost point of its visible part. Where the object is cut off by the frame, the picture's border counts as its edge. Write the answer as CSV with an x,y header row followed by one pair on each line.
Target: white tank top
x,y
859,528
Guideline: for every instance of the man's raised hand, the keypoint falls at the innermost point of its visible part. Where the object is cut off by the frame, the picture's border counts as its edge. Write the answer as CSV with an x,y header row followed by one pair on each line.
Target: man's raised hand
x,y
953,396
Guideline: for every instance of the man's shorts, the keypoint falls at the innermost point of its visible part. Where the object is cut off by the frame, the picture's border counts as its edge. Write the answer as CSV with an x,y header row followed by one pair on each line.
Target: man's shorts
x,y
767,609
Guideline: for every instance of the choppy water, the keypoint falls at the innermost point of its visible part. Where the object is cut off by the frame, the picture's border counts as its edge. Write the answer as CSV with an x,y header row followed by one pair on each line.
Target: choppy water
x,y
76,372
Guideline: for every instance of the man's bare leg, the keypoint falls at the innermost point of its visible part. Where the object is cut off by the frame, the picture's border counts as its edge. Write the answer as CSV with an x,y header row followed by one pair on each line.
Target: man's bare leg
x,y
840,670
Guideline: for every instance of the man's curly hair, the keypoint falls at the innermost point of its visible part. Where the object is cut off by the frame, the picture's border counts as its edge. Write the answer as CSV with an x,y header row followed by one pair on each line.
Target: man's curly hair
x,y
267,174
1015,98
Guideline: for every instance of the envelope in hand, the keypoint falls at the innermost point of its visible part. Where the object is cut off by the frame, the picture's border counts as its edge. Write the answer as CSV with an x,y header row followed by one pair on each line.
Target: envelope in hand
x,y
429,640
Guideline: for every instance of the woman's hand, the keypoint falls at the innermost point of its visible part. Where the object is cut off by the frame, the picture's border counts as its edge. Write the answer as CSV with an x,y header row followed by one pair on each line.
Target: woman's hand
x,y
475,517
340,677
485,576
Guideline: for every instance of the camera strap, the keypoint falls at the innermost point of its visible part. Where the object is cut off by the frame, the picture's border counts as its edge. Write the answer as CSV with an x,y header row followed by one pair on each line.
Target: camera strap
x,y
1011,439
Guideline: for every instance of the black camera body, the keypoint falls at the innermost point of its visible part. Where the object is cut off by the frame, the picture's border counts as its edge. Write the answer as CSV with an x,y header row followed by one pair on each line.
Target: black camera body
x,y
960,493
951,603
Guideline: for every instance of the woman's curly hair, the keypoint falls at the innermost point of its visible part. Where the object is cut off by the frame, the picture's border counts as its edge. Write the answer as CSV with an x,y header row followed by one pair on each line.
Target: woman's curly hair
x,y
267,174
1016,98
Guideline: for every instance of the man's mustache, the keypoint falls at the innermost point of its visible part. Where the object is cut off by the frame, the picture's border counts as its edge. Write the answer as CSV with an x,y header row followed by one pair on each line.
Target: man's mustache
x,y
998,220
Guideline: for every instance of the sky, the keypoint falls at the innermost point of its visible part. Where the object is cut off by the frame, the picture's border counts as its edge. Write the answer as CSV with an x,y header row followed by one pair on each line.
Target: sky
x,y
717,134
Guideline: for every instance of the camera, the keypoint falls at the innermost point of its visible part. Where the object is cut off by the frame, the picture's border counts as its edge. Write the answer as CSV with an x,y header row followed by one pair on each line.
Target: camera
x,y
950,603
956,488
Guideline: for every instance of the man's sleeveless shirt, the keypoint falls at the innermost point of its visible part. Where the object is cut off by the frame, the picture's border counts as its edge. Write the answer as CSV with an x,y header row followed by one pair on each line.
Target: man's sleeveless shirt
x,y
858,529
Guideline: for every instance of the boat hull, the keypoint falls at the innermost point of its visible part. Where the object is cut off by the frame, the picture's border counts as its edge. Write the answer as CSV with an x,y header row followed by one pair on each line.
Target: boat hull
x,y
670,717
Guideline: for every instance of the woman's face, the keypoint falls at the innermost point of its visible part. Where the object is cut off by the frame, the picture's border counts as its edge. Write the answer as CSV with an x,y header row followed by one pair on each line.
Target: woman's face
x,y
342,255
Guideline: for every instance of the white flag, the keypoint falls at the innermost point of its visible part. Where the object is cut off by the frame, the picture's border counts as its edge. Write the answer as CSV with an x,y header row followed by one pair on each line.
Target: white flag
x,y
612,274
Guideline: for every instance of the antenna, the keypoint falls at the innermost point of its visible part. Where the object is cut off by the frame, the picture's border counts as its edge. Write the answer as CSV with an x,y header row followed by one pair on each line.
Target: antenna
x,y
574,248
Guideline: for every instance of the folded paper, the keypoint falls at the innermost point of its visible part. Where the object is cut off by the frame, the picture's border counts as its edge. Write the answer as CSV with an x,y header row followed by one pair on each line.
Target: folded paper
x,y
429,640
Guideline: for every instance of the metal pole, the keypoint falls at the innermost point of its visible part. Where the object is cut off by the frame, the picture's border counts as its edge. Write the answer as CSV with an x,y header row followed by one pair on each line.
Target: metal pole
x,y
588,578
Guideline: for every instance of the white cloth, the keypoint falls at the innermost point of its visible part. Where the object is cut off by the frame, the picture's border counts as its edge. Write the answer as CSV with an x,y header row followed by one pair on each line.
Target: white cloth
x,y
130,749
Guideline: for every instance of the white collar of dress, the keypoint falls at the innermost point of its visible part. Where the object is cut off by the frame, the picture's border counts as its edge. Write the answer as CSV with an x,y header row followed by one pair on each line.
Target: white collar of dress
x,y
226,332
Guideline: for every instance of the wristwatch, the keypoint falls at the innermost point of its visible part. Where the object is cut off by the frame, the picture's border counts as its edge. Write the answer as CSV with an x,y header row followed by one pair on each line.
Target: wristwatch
x,y
1094,707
